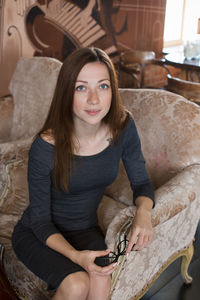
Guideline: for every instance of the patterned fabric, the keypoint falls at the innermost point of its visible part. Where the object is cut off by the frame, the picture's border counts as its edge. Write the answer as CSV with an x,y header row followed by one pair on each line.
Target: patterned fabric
x,y
32,87
169,237
25,283
169,127
13,157
6,109
171,198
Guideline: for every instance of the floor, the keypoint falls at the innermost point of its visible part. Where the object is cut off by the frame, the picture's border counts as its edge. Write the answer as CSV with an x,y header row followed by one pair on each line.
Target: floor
x,y
175,289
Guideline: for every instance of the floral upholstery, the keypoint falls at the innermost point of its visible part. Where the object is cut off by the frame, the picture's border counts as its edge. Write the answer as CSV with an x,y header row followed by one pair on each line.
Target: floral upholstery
x,y
168,126
32,87
22,115
6,109
169,129
141,266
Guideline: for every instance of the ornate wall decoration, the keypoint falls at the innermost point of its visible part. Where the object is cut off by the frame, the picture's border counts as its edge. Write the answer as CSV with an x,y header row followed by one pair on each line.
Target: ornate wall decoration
x,y
57,27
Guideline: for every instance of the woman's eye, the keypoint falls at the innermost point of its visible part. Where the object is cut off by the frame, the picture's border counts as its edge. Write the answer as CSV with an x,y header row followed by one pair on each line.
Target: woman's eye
x,y
80,88
104,86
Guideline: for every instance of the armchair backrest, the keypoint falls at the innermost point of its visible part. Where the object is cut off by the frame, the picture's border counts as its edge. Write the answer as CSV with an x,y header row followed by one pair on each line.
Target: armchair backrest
x,y
169,129
136,56
188,89
32,86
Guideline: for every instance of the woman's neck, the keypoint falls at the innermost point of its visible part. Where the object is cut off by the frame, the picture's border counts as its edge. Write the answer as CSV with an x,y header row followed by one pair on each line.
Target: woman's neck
x,y
83,131
92,139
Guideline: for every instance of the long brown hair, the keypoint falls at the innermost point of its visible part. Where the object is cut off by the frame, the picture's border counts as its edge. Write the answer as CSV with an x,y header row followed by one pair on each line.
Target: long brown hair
x,y
60,116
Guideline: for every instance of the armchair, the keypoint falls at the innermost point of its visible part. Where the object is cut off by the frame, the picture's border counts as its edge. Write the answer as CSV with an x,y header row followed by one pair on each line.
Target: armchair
x,y
133,65
22,112
169,128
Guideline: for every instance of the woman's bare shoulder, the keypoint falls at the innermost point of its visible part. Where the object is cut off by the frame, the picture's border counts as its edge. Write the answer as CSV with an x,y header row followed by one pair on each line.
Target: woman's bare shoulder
x,y
48,137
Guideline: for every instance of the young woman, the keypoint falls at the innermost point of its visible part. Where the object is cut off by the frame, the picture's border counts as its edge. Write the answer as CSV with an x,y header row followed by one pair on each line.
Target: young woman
x,y
71,161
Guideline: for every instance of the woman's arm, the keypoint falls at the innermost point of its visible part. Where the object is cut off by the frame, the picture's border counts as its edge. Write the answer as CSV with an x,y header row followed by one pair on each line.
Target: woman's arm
x,y
141,231
143,194
134,164
83,258
58,243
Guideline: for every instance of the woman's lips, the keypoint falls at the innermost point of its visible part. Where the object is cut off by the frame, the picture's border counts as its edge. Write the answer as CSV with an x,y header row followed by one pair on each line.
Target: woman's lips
x,y
93,112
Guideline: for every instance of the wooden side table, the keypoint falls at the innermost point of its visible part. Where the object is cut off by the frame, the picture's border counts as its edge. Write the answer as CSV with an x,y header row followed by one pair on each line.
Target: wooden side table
x,y
6,290
191,67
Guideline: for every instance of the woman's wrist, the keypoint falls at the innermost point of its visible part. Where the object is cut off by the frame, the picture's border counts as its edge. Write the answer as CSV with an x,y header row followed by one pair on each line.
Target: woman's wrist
x,y
74,256
144,204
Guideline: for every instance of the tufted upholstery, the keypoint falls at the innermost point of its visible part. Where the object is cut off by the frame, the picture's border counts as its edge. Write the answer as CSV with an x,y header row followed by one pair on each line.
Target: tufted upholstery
x,y
168,126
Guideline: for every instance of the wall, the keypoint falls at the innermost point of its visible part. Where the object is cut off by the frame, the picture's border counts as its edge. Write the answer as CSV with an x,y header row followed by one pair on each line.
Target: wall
x,y
57,27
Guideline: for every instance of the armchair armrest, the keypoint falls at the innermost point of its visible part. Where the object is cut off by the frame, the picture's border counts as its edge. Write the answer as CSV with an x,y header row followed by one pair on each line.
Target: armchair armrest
x,y
171,198
7,223
6,108
162,63
13,168
175,219
14,149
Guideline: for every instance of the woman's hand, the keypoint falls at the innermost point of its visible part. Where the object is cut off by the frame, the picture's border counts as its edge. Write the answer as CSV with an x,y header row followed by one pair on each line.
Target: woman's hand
x,y
141,231
86,260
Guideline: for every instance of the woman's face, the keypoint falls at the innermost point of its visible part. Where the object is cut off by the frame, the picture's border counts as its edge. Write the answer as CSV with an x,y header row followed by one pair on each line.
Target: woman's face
x,y
93,94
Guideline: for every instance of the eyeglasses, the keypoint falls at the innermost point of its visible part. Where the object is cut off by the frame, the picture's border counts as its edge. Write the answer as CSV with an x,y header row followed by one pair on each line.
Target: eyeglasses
x,y
113,257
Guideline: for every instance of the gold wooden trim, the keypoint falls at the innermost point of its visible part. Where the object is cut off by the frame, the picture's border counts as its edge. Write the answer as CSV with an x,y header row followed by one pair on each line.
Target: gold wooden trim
x,y
186,253
186,259
116,274
125,229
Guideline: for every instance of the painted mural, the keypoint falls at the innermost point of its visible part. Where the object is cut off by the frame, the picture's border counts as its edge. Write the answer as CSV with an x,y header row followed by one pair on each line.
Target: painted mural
x,y
56,27
71,24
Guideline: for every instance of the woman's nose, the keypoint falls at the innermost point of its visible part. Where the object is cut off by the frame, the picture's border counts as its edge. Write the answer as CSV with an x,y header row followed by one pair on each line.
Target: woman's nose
x,y
93,97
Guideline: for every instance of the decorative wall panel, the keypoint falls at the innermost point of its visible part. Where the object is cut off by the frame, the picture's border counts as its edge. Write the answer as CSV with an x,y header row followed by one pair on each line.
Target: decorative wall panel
x,y
56,27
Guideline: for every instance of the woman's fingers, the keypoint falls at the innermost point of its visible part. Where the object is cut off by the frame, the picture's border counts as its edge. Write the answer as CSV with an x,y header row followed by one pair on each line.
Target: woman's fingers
x,y
139,239
140,242
132,240
102,271
105,271
102,253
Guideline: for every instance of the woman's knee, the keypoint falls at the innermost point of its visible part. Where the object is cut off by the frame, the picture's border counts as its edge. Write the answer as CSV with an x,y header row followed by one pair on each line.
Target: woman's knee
x,y
75,286
99,287
100,281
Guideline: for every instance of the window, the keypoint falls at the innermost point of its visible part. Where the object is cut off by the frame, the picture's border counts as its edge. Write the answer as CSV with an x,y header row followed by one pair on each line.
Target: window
x,y
173,22
181,21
